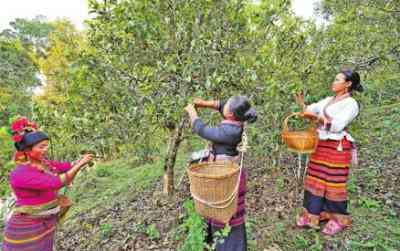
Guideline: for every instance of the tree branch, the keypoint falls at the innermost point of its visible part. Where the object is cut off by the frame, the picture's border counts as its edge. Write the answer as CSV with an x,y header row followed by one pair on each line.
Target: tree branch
x,y
374,59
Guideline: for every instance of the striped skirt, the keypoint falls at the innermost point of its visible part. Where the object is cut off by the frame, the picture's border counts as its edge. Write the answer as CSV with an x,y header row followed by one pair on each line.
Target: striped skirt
x,y
325,194
27,233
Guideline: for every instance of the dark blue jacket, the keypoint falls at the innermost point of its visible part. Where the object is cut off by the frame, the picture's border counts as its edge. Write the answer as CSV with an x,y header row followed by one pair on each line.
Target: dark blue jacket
x,y
225,137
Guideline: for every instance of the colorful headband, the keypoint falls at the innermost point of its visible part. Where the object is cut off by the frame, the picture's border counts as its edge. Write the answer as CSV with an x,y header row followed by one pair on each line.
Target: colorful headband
x,y
20,127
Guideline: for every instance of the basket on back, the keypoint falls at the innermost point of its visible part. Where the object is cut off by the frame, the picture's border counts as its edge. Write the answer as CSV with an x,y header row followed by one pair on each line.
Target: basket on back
x,y
304,141
214,187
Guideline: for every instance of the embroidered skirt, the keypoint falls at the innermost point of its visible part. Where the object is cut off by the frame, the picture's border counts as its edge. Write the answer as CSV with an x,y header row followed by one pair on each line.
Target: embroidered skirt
x,y
325,192
27,233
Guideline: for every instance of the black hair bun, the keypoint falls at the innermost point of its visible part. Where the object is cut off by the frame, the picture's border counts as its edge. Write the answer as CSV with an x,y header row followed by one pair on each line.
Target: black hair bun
x,y
251,115
354,78
241,109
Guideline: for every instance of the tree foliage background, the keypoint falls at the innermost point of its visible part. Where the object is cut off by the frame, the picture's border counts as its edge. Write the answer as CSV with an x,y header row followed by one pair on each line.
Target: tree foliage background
x,y
120,86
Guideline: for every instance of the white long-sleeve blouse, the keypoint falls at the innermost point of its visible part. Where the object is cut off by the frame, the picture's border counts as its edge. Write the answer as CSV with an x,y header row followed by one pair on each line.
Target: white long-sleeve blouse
x,y
341,113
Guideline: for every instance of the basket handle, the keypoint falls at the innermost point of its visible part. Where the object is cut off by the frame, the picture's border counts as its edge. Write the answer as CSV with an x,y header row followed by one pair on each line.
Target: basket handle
x,y
285,122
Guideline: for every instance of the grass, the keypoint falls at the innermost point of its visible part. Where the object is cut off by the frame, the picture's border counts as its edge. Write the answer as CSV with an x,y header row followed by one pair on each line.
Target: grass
x,y
110,180
376,223
114,180
371,230
194,227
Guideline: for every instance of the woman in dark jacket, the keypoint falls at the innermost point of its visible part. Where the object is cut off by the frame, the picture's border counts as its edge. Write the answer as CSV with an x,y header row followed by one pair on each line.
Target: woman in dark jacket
x,y
225,138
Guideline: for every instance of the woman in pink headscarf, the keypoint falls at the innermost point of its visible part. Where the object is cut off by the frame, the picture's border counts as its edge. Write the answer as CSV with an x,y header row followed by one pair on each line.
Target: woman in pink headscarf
x,y
35,182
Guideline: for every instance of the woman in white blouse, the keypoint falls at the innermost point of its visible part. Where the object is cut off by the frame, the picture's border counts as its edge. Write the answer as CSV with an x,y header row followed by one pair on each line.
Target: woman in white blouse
x,y
325,195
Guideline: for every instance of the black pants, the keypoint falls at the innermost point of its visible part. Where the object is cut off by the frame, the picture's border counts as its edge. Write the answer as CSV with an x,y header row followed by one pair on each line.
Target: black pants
x,y
235,241
315,205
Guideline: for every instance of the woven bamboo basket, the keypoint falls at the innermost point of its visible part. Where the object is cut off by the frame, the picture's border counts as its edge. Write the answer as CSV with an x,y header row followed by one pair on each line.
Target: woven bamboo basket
x,y
304,141
214,188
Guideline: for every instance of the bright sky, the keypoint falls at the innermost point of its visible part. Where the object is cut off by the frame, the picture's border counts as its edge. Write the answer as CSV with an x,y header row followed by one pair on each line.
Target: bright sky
x,y
76,10
304,8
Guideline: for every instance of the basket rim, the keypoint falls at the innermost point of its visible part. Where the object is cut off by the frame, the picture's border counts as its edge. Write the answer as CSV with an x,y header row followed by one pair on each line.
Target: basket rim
x,y
296,135
303,132
299,138
312,126
305,151
203,164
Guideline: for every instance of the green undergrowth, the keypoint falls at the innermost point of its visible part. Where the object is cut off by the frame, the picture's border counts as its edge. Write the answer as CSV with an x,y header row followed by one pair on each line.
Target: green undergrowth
x,y
374,228
110,181
194,227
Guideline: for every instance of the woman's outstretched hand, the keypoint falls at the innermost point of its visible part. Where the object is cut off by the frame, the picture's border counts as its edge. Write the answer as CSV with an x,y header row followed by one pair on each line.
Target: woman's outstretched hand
x,y
320,119
191,110
201,103
299,98
77,166
86,158
198,102
309,115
